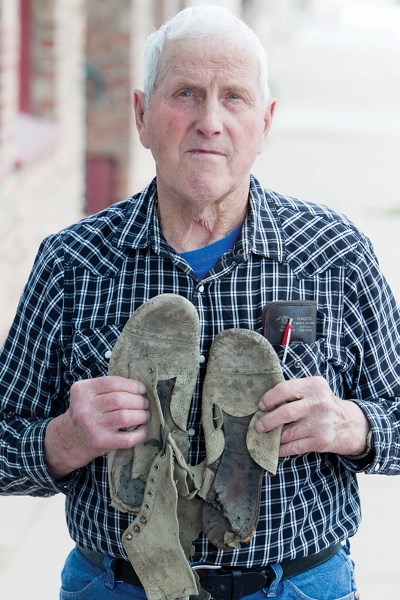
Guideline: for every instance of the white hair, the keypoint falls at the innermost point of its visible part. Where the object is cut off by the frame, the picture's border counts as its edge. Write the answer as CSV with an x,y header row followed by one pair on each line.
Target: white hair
x,y
195,22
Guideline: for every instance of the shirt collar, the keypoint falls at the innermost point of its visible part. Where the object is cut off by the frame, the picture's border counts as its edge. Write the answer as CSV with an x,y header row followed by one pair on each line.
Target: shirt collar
x,y
141,228
265,235
261,230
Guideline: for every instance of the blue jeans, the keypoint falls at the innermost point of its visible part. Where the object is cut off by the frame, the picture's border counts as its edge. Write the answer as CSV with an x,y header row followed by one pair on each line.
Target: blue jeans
x,y
333,580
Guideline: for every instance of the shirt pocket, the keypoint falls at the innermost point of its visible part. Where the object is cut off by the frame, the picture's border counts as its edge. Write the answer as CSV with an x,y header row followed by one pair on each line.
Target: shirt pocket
x,y
304,360
89,353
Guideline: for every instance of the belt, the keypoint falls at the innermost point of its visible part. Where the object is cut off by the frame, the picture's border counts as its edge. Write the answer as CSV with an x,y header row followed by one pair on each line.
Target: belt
x,y
225,583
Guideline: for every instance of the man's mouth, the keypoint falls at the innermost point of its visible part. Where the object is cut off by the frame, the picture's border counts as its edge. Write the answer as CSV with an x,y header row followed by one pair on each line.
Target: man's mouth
x,y
206,151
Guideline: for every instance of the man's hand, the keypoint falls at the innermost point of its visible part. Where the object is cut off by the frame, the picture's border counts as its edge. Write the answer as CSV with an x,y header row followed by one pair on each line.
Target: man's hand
x,y
313,418
101,413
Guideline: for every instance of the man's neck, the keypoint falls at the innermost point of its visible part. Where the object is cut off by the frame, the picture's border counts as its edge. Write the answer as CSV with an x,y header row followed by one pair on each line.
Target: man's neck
x,y
187,227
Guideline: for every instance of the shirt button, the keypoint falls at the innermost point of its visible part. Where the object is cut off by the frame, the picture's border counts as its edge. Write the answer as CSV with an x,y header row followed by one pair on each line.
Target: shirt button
x,y
107,355
191,432
297,364
377,467
202,359
200,288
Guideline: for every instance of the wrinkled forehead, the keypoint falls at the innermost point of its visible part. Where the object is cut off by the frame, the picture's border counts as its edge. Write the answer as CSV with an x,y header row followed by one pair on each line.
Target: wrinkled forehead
x,y
227,54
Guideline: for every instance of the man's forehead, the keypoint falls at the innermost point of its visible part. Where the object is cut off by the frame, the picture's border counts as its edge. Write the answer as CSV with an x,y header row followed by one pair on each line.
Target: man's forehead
x,y
226,54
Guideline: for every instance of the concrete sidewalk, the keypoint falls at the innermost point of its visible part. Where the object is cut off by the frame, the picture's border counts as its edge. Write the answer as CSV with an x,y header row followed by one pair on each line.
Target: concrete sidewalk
x,y
34,545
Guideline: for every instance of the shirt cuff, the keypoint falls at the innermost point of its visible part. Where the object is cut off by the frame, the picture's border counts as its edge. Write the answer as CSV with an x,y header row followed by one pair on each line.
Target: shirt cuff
x,y
378,458
34,464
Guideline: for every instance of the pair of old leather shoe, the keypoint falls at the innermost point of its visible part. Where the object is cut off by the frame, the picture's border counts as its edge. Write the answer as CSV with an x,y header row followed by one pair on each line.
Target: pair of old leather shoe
x,y
172,501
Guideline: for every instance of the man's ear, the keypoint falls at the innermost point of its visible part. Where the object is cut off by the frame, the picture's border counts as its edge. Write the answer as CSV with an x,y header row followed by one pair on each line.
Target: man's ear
x,y
140,116
269,113
268,116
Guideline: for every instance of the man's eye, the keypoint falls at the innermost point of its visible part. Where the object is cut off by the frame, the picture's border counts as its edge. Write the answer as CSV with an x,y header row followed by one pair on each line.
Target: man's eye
x,y
234,96
185,93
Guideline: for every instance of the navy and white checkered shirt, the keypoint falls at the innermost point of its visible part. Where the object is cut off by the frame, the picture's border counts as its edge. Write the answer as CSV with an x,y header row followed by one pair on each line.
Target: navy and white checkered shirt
x,y
88,279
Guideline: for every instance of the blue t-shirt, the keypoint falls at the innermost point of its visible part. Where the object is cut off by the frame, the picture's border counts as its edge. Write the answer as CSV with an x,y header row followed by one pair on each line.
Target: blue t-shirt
x,y
205,259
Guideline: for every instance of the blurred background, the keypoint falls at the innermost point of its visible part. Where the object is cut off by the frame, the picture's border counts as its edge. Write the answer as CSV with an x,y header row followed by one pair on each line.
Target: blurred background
x,y
68,148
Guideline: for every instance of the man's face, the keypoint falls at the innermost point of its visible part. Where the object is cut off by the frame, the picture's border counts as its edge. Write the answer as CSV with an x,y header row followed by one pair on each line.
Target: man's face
x,y
206,122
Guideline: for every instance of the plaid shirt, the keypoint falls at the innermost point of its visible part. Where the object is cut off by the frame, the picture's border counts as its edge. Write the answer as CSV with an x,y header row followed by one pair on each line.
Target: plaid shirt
x,y
88,279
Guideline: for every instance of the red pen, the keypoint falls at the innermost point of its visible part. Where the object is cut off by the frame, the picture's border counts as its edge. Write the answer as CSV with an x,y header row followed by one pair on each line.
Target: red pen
x,y
286,338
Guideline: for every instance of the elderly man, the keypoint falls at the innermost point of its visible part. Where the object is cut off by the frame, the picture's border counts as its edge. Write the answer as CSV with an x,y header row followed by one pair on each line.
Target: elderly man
x,y
244,258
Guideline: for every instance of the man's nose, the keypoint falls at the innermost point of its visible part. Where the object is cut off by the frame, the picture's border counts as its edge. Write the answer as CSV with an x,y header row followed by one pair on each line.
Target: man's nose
x,y
209,121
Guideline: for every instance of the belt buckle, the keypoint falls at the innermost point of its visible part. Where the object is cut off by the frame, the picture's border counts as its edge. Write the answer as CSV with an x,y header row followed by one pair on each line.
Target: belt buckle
x,y
233,583
206,567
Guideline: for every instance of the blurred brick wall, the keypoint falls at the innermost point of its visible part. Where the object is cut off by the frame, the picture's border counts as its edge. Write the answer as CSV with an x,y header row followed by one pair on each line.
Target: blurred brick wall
x,y
109,106
41,153
9,32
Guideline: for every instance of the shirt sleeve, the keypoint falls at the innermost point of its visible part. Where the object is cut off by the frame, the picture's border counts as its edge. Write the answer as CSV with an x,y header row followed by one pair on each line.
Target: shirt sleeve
x,y
31,383
372,340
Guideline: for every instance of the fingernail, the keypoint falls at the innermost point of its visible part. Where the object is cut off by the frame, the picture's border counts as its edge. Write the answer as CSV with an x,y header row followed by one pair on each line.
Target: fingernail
x,y
259,427
141,388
